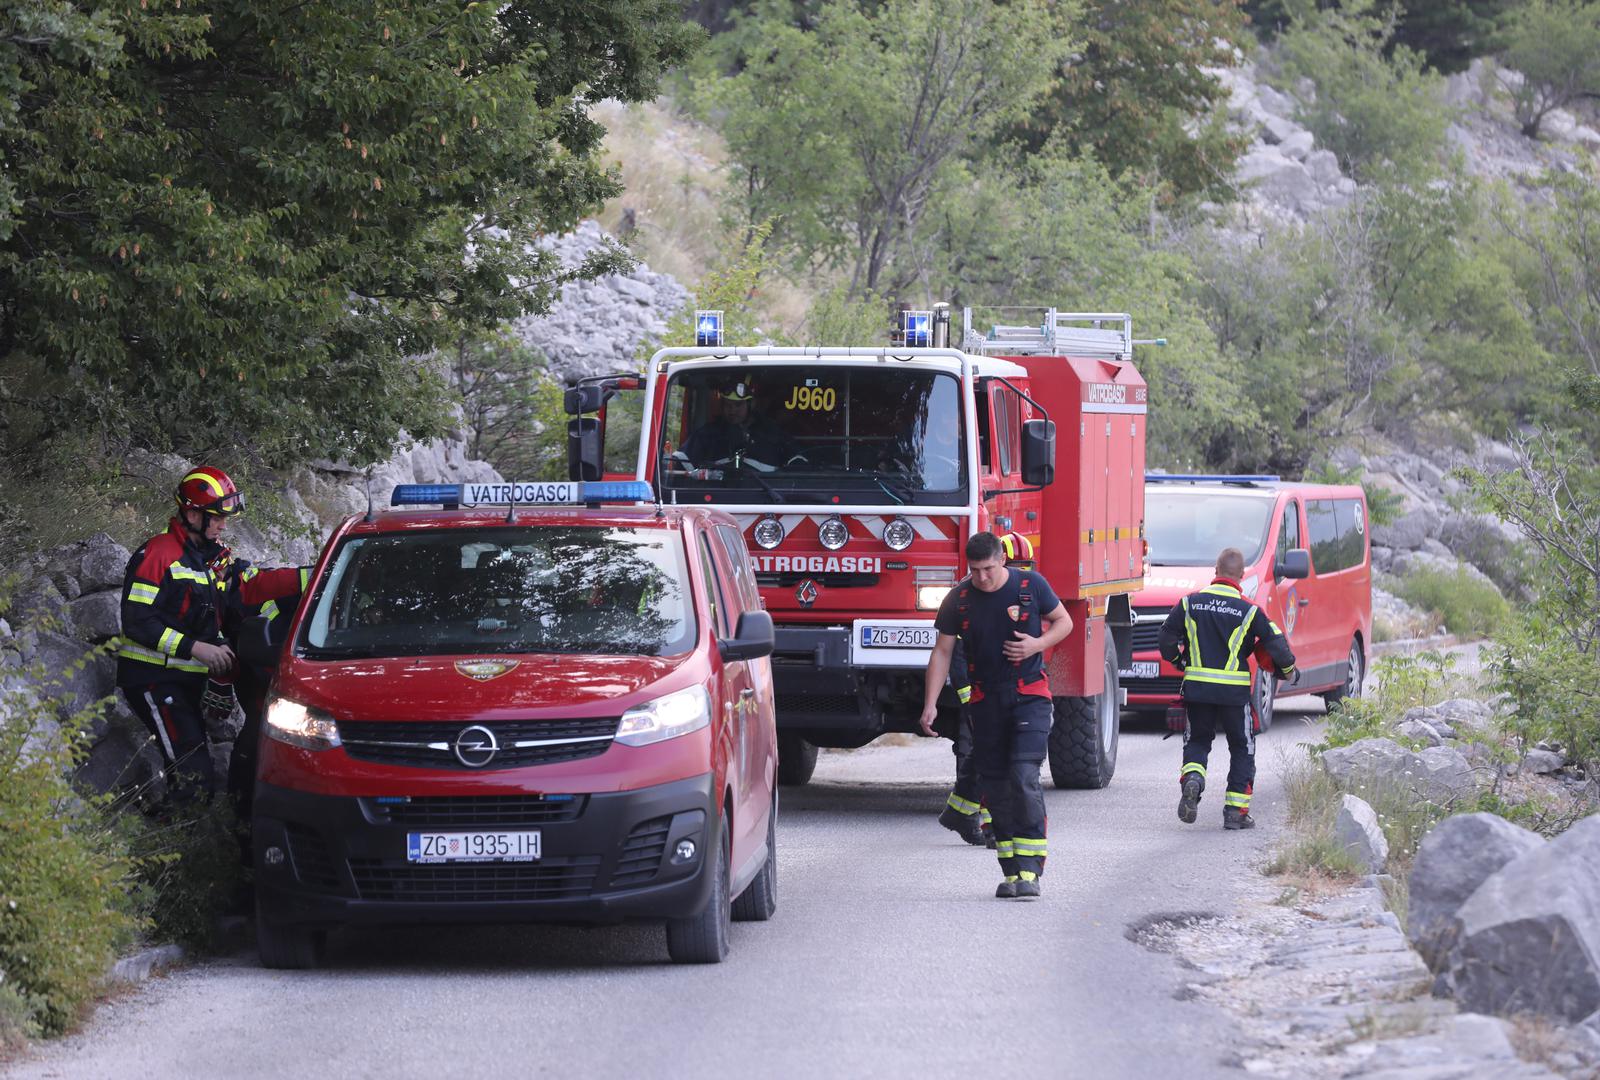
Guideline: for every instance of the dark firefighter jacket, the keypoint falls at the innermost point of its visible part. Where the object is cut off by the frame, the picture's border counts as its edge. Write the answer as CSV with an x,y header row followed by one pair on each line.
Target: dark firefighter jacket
x,y
174,594
1209,636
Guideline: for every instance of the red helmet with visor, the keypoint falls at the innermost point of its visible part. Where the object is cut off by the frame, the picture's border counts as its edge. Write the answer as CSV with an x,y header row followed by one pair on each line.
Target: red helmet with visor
x,y
210,491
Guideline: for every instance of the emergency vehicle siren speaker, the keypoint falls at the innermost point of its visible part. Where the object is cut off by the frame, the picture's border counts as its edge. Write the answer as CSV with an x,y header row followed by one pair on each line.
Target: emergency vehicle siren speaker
x,y
918,327
708,328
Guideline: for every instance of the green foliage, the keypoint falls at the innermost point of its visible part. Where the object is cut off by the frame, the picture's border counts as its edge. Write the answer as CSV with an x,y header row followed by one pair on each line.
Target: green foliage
x,y
1383,505
187,869
511,407
1469,606
1451,33
242,218
1401,683
1313,843
62,914
1555,45
1375,102
836,317
851,135
1138,96
732,288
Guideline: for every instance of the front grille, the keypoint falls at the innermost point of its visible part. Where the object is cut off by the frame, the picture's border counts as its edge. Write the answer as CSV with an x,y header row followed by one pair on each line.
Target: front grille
x,y
481,883
1162,685
1147,628
429,744
447,810
641,853
313,862
824,581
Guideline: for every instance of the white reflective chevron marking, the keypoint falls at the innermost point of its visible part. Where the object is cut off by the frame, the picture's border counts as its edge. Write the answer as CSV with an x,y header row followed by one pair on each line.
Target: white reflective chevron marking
x,y
746,520
789,521
926,529
874,525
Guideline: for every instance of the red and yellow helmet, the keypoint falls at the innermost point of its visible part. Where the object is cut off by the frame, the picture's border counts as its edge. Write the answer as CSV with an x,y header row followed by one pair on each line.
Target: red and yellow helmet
x,y
210,491
1017,548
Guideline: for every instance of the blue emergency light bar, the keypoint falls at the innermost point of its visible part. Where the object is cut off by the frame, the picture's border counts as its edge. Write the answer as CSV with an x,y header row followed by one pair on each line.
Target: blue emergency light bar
x,y
708,328
513,493
1208,478
918,328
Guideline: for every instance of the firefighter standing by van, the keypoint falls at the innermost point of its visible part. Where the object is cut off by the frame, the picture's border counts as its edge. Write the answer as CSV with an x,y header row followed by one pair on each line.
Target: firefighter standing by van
x,y
964,812
1005,620
172,663
1209,635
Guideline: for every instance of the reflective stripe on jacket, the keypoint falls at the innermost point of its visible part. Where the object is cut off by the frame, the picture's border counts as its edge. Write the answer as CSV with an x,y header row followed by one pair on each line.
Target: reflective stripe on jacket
x,y
1210,634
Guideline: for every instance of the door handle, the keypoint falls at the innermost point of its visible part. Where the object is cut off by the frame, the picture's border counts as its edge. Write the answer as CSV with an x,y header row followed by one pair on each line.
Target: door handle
x,y
1302,603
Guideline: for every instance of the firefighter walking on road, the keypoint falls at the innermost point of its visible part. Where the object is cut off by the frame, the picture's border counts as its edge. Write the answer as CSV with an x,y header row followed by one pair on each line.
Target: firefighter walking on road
x,y
1210,635
1005,619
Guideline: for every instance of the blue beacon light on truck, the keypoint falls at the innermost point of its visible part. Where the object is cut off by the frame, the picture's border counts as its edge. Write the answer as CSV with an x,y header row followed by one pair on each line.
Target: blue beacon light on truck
x,y
537,493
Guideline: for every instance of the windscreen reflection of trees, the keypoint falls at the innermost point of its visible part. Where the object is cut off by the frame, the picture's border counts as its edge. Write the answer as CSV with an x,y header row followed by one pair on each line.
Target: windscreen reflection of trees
x,y
1192,529
559,590
904,427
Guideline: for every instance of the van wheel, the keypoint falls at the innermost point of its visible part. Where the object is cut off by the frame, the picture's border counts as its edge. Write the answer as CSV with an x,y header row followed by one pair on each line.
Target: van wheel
x,y
1264,696
703,938
292,948
760,898
1354,675
797,759
1083,739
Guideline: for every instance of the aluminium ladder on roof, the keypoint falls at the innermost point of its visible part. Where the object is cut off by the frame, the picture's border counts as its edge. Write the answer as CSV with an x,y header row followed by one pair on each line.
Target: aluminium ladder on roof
x,y
1106,335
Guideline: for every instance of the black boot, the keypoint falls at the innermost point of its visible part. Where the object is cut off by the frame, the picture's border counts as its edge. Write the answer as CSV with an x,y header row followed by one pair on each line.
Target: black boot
x,y
1236,817
963,825
1189,804
1006,890
1027,888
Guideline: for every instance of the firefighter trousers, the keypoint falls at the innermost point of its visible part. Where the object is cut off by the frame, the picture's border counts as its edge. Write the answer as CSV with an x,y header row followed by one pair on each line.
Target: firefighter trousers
x,y
1205,720
967,796
1011,734
171,710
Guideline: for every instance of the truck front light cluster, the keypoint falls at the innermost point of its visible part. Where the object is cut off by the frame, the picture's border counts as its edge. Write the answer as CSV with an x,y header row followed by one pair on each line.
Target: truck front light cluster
x,y
929,597
898,534
933,583
834,534
665,718
768,533
300,725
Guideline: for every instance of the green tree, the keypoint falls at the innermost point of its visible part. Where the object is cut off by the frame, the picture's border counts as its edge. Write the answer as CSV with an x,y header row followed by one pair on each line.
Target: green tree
x,y
230,218
511,406
1451,33
1555,46
1140,92
1375,102
845,136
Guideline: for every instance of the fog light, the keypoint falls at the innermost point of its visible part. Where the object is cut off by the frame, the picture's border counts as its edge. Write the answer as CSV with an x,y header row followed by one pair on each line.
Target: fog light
x,y
684,852
273,856
768,533
898,534
834,534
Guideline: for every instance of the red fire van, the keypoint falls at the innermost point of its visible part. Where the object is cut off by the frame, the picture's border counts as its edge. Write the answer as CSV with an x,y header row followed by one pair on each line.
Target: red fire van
x,y
532,708
1308,560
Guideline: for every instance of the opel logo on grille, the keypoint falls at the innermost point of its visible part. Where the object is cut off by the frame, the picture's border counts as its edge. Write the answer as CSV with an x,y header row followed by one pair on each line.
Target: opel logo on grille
x,y
475,747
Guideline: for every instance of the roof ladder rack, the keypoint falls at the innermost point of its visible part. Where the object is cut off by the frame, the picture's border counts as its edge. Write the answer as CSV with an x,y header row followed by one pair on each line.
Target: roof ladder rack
x,y
1091,335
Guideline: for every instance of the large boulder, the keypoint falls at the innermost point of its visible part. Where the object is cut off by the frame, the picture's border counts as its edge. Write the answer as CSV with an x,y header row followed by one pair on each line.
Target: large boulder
x,y
1277,178
102,564
1358,831
97,616
1407,532
1439,774
1528,939
1458,854
74,674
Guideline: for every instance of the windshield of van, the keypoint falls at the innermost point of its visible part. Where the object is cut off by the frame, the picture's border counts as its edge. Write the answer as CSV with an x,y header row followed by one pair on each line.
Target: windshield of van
x,y
449,592
1190,528
813,432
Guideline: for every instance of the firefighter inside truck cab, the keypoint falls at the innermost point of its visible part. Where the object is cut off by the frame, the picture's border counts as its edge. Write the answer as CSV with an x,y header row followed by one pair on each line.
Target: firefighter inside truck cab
x,y
734,440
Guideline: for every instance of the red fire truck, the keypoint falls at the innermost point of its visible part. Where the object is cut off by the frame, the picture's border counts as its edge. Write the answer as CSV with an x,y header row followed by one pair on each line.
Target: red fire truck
x,y
857,475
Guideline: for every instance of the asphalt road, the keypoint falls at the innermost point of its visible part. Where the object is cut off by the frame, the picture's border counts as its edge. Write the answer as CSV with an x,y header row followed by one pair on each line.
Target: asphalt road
x,y
888,956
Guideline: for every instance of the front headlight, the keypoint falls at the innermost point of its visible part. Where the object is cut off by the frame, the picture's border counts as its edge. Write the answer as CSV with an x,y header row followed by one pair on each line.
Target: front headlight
x,y
898,534
929,597
299,725
833,533
768,532
665,718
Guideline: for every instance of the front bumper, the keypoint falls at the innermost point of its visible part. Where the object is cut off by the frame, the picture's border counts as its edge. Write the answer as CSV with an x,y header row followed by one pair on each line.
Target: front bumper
x,y
325,860
819,688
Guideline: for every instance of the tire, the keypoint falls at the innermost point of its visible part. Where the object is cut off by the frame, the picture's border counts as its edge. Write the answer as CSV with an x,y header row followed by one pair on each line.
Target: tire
x,y
1355,674
760,898
1264,697
703,938
1084,737
797,760
288,948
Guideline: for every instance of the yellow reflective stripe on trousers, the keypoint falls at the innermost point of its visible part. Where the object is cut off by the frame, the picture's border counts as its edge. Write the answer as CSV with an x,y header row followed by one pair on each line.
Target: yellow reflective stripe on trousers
x,y
1030,846
142,593
170,640
1192,767
1236,798
960,805
984,816
1003,849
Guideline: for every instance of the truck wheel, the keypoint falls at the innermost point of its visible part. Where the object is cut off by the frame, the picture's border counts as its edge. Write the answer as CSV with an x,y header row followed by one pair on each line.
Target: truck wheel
x,y
1355,674
703,938
797,759
1083,739
1263,696
284,947
760,898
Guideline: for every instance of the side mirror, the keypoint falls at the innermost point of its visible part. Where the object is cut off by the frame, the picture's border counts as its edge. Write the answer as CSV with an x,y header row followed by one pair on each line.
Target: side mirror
x,y
257,646
752,638
585,448
584,398
1038,453
1296,564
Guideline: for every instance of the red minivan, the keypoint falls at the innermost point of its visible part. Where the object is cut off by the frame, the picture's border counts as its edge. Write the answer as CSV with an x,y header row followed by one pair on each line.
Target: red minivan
x,y
542,712
1308,560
